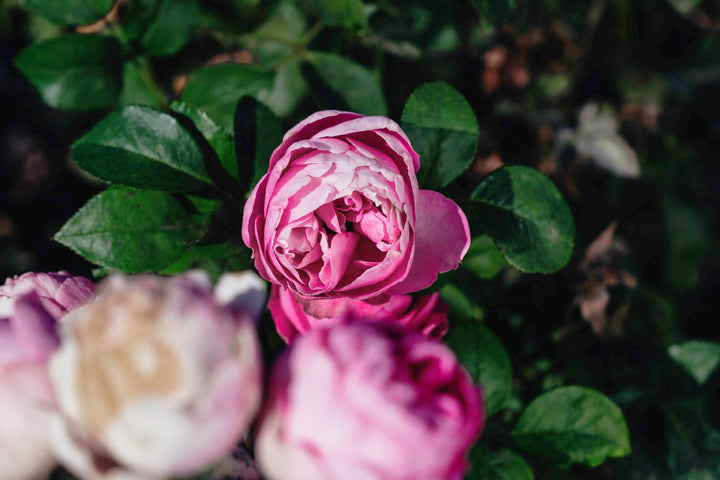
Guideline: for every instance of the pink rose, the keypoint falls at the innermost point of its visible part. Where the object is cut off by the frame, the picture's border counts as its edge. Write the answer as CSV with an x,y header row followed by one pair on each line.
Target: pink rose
x,y
156,377
59,292
339,213
30,307
295,314
371,402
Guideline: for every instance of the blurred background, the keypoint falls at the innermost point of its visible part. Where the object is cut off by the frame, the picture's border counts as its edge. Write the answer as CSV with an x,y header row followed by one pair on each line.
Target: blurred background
x,y
618,102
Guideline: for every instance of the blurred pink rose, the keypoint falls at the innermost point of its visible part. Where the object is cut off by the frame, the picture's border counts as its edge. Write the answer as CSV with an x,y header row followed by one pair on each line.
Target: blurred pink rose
x,y
339,213
30,307
156,377
295,314
59,292
371,402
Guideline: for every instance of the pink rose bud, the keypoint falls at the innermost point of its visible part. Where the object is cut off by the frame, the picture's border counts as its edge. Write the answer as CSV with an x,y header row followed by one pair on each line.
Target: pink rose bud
x,y
295,314
156,377
339,213
368,401
30,307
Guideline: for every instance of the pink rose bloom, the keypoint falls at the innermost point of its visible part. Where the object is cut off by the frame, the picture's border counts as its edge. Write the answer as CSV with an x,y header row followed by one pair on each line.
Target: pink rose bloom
x,y
339,213
30,307
295,314
363,401
156,377
59,292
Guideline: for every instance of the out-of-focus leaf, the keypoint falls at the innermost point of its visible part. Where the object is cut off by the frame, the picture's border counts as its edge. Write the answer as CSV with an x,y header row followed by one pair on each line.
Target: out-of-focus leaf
x,y
70,12
216,89
172,26
460,303
215,259
347,13
130,230
573,425
217,137
74,72
502,465
486,360
443,130
351,86
496,12
699,357
687,243
141,147
692,441
136,89
526,216
272,43
685,6
257,133
483,258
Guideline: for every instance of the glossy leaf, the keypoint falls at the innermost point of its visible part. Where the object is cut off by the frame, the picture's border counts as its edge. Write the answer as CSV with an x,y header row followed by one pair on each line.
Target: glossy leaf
x,y
144,148
217,137
74,72
526,216
573,425
130,230
172,26
443,130
70,12
699,357
483,258
347,13
502,465
216,89
345,84
485,358
257,133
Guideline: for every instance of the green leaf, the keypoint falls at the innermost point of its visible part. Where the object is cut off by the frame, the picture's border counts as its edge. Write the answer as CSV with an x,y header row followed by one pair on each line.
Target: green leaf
x,y
215,259
699,357
685,6
573,425
526,216
496,12
70,12
257,133
348,85
217,137
443,130
347,13
216,89
483,258
74,72
687,243
172,26
130,230
144,148
460,303
137,89
486,360
502,465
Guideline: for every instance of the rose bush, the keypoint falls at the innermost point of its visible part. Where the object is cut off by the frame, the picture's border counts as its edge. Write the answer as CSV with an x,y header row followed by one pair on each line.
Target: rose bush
x,y
30,307
339,213
156,377
295,314
365,401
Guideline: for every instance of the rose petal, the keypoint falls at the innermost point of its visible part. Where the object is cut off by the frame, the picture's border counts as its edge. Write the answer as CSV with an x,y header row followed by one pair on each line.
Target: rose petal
x,y
442,238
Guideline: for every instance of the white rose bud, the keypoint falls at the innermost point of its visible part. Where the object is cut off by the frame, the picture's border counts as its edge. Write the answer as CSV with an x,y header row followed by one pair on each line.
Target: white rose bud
x,y
156,377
